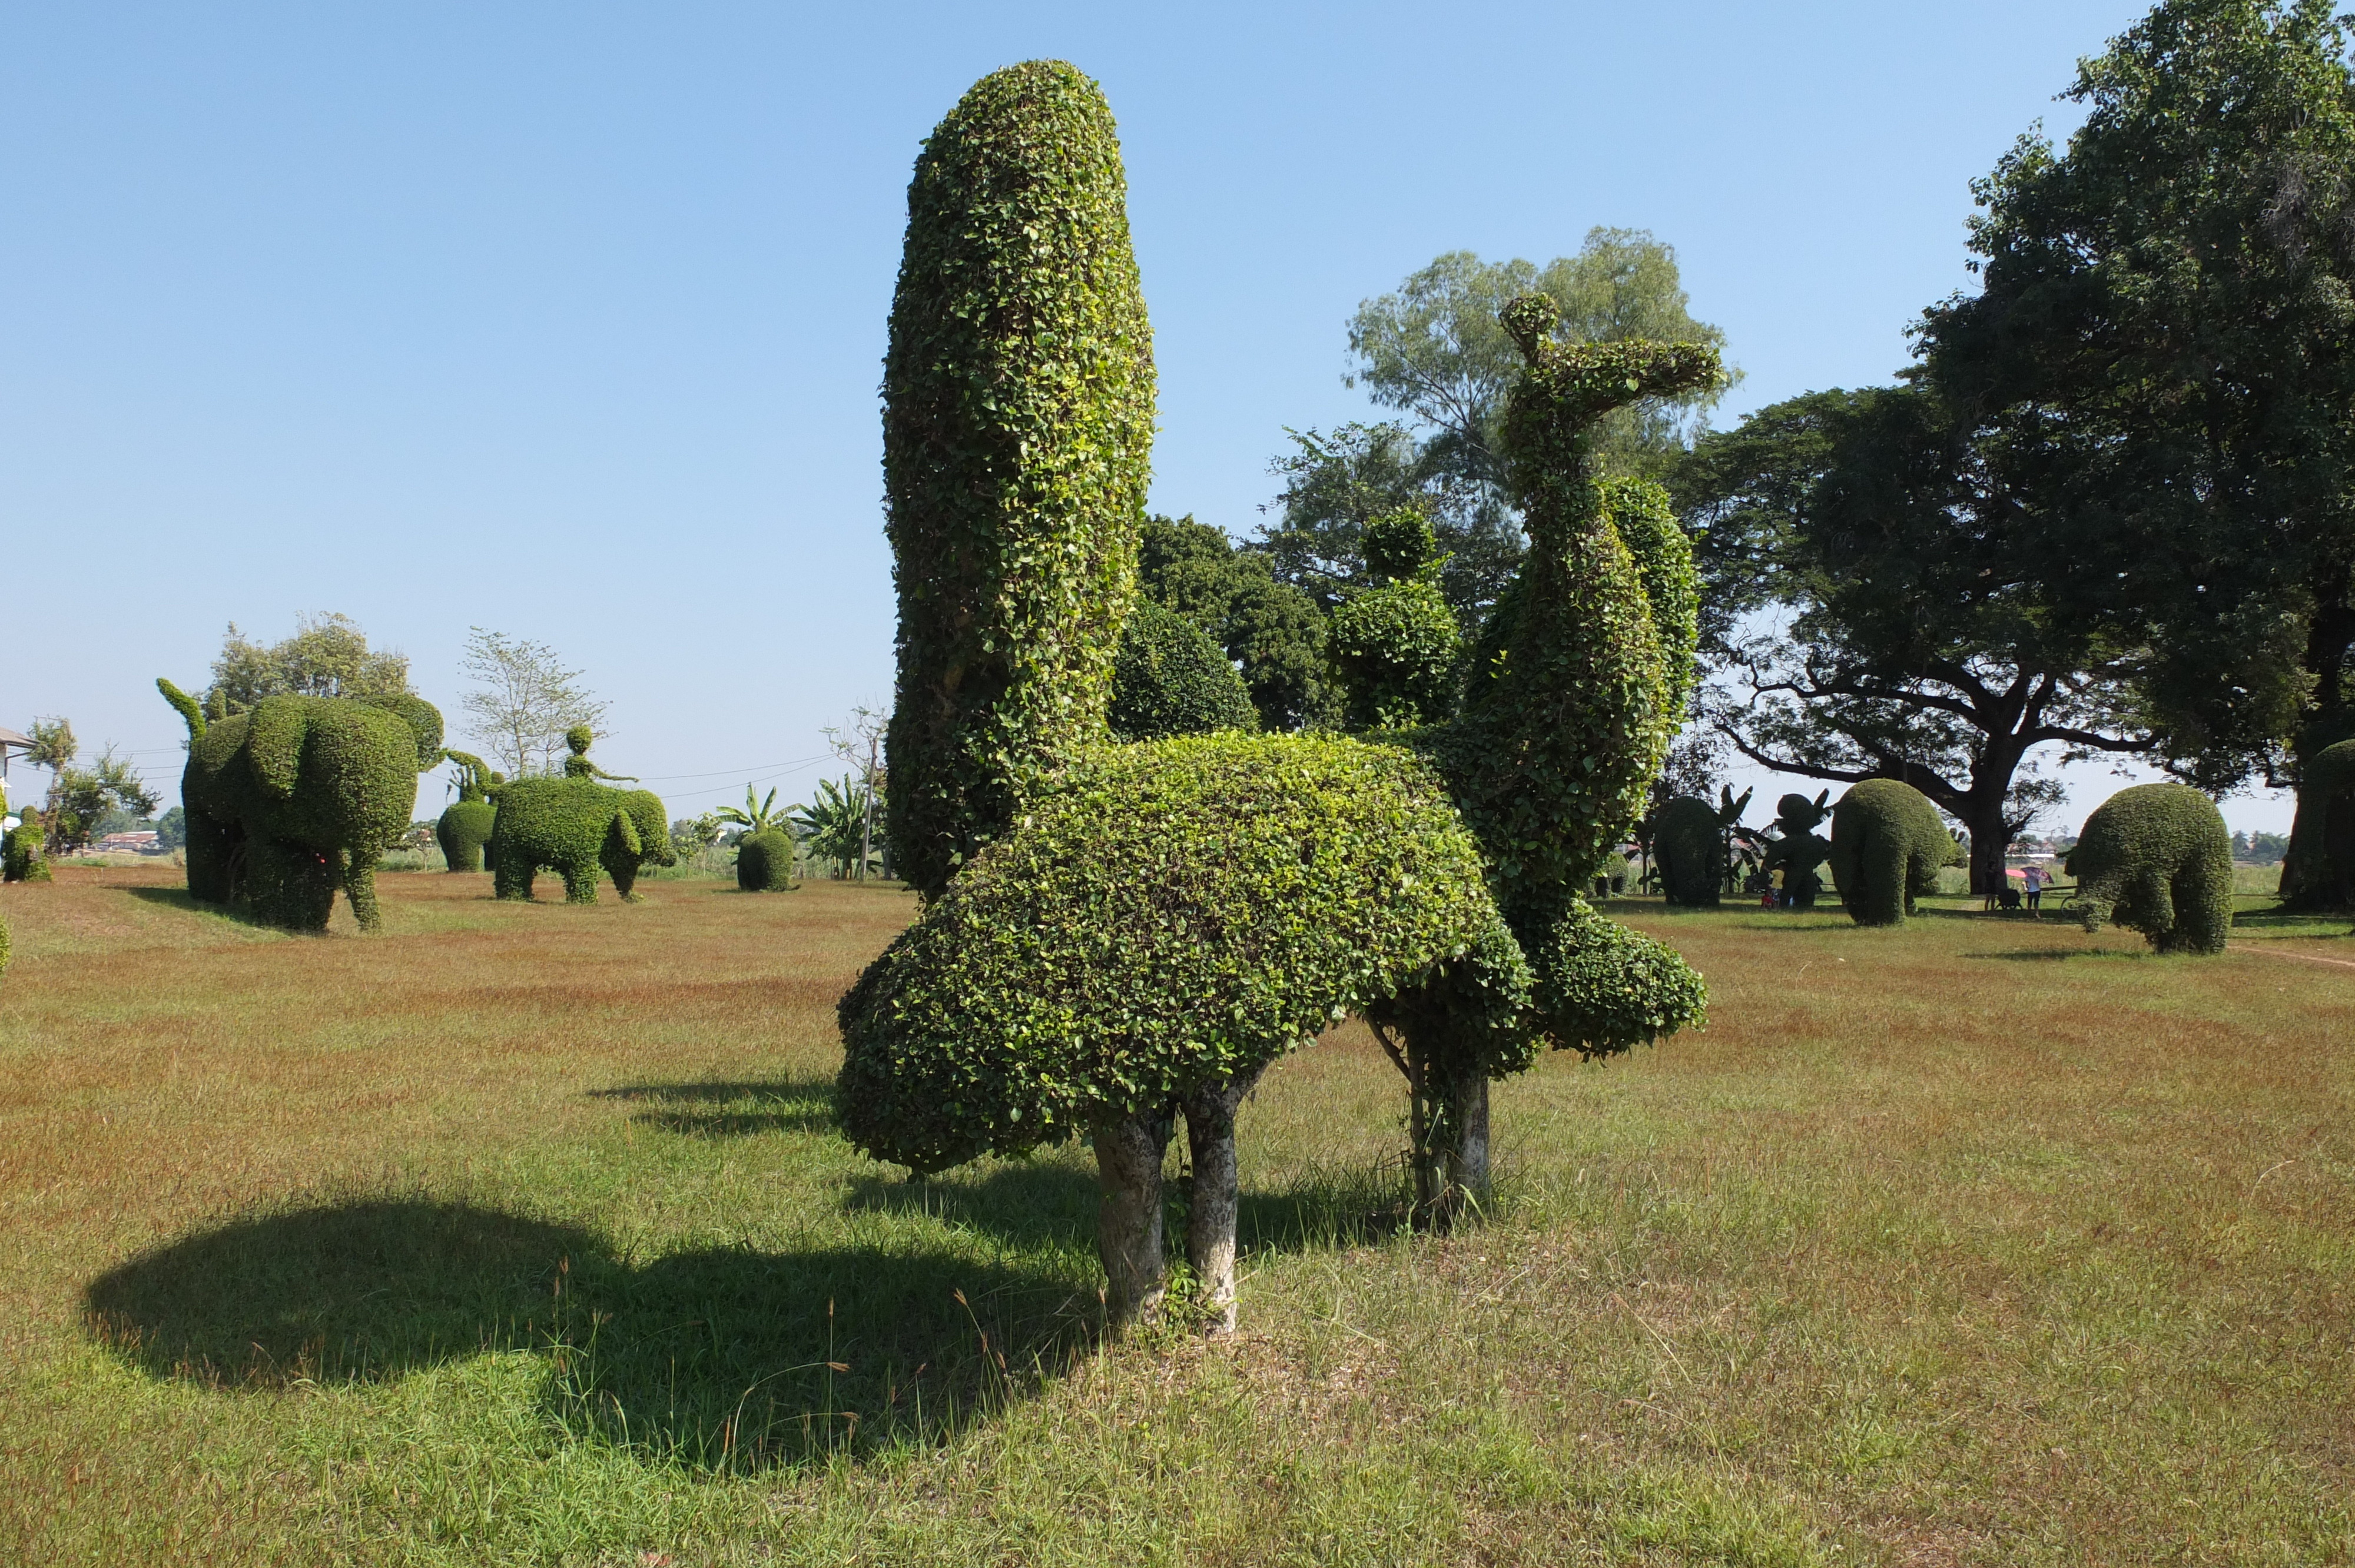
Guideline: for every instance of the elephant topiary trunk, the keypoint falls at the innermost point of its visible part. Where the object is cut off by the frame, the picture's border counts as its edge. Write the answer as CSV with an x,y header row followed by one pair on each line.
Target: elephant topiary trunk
x,y
2157,859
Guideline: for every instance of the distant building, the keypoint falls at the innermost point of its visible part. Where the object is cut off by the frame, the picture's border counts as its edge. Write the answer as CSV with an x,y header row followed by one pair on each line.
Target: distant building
x,y
144,842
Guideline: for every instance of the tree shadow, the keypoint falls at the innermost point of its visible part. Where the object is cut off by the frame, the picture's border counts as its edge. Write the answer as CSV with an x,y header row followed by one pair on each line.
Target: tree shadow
x,y
785,1105
181,899
2056,955
733,1359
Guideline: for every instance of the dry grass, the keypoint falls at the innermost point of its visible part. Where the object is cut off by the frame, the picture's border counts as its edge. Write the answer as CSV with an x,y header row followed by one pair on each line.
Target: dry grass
x,y
522,1235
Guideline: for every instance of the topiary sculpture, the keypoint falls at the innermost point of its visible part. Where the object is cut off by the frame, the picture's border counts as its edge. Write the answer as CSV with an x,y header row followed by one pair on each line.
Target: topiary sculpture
x,y
2318,870
464,830
1688,847
573,826
1169,679
1798,849
1169,919
297,796
2157,858
1018,419
764,862
1887,846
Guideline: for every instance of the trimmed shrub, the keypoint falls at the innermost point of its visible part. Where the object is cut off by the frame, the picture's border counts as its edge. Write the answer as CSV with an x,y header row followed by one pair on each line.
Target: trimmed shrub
x,y
1395,651
1688,847
1887,846
2319,869
297,796
1018,407
573,827
22,853
1645,520
464,831
1170,679
1173,914
764,862
1603,989
1800,849
2157,859
4,947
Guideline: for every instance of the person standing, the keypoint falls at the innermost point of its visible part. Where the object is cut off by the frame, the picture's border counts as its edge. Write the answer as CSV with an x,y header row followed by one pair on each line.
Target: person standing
x,y
2035,877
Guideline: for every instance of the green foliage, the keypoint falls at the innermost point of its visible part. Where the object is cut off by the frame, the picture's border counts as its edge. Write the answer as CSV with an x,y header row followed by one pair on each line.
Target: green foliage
x,y
2157,858
298,795
764,862
1887,846
1395,651
1274,631
1018,407
2322,839
758,816
573,827
1798,849
1646,524
525,702
834,825
1170,679
1603,989
327,656
464,832
1173,914
21,856
1569,711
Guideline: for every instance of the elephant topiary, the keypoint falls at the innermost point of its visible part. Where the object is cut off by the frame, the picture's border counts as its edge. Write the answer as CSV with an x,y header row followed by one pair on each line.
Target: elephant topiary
x,y
464,830
298,796
573,826
2318,872
1799,849
764,862
2157,859
1887,846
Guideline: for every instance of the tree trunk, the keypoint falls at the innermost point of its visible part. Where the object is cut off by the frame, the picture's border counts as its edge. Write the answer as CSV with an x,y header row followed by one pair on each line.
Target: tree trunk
x,y
1210,1216
1990,837
1468,1153
1128,1216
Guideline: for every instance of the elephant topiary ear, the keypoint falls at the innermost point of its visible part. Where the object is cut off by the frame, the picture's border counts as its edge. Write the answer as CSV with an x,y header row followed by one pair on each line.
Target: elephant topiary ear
x,y
274,744
419,716
627,830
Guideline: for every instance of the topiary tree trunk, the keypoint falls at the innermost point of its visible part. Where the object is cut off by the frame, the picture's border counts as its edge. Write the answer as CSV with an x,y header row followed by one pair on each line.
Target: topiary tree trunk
x,y
1018,430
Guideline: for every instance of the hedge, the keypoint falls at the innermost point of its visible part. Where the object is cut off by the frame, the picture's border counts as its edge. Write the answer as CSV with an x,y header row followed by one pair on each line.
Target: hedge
x,y
574,827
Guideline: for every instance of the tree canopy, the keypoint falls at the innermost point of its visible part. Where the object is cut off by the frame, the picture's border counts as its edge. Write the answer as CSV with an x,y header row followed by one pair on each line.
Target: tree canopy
x,y
327,656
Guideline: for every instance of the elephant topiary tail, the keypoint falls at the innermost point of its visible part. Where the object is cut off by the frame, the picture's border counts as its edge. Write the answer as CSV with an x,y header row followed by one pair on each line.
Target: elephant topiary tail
x,y
186,704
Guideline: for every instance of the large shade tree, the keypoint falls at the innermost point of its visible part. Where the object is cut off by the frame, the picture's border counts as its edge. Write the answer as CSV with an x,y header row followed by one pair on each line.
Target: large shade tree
x,y
1880,606
2164,324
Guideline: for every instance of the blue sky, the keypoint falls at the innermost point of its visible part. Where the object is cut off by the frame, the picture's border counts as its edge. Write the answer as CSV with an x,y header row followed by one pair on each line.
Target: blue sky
x,y
567,319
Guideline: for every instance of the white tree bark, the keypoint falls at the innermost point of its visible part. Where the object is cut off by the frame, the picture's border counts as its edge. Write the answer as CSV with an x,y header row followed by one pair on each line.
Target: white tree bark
x,y
1210,1217
1128,1216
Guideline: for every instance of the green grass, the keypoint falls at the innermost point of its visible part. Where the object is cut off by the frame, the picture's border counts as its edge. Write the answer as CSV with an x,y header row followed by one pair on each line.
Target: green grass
x,y
523,1235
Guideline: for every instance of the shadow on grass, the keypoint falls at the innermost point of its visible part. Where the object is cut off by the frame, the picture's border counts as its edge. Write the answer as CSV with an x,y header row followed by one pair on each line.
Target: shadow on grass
x,y
2057,955
732,1359
784,1104
179,898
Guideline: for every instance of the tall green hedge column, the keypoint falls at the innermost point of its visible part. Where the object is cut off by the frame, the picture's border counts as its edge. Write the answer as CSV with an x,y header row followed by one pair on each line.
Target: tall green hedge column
x,y
1017,425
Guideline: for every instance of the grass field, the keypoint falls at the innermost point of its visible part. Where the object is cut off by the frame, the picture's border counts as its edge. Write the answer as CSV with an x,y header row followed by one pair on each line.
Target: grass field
x,y
523,1235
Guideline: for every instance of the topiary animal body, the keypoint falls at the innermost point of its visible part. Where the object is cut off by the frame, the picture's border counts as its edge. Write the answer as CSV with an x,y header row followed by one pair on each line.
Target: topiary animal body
x,y
2318,870
2157,859
764,862
1887,846
1168,921
299,796
573,827
1018,424
464,830
1169,679
1688,847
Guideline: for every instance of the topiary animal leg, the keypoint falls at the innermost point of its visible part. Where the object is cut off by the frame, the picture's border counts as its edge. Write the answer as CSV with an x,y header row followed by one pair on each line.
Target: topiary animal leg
x,y
1128,1216
359,886
290,886
2203,912
579,882
1210,1217
210,844
2096,896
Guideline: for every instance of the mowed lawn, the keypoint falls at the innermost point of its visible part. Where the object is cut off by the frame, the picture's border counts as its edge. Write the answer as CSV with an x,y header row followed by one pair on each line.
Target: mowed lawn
x,y
524,1234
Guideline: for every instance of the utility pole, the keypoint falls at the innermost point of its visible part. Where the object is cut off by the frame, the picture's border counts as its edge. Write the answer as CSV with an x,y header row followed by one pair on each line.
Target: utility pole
x,y
867,830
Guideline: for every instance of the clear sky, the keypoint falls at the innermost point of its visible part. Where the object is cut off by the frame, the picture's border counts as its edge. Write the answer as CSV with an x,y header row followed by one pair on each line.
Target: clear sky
x,y
567,319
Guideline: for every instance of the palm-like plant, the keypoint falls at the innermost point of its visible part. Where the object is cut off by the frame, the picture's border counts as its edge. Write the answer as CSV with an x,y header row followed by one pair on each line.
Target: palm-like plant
x,y
757,817
833,824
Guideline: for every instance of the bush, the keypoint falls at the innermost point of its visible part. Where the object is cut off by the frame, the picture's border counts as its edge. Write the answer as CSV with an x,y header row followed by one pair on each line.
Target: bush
x,y
4,947
1395,651
1887,846
2319,866
1174,914
298,795
2157,859
1170,679
1017,425
574,826
21,855
464,831
1688,847
1603,989
764,862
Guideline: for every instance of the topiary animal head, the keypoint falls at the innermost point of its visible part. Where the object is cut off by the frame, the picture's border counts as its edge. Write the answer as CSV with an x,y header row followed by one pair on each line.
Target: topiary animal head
x,y
1796,814
579,739
1577,384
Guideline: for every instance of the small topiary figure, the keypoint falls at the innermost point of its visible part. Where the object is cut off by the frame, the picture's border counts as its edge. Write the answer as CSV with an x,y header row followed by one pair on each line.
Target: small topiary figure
x,y
297,796
1169,679
573,826
1887,846
2157,859
21,859
464,830
764,862
1017,425
1688,844
1394,646
1798,849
